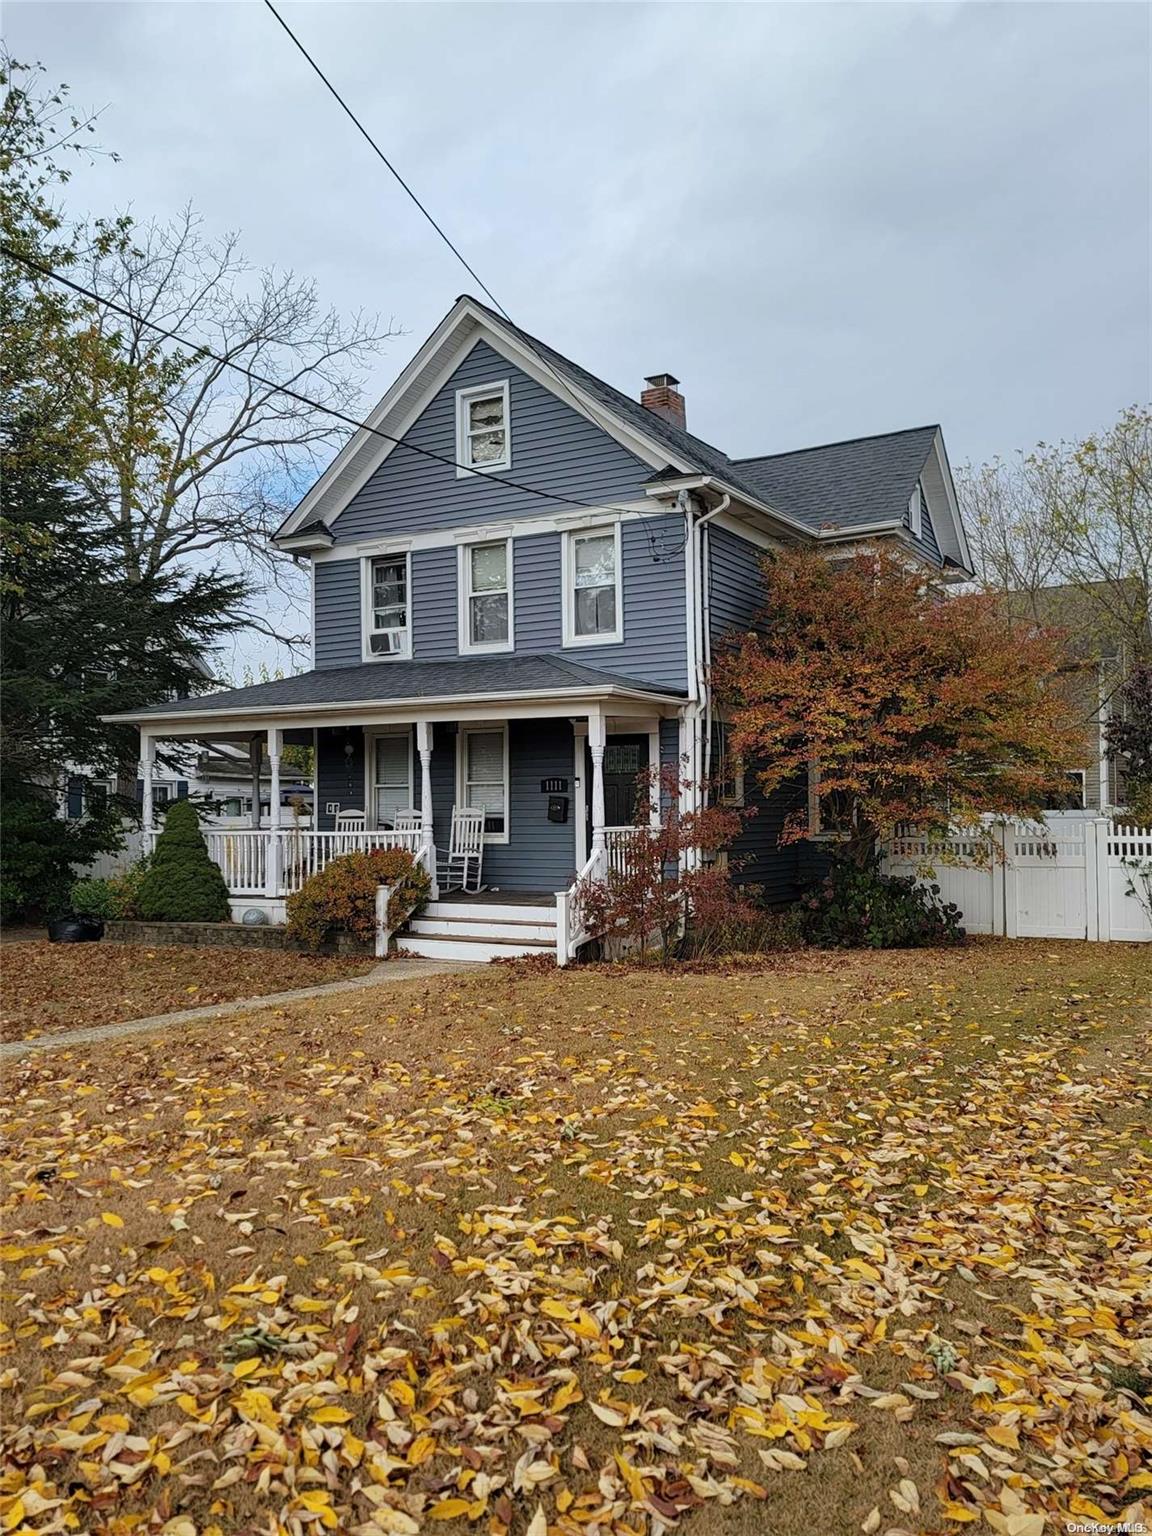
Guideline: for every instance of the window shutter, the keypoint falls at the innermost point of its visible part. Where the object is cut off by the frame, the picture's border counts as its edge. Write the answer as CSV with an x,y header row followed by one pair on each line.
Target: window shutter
x,y
75,805
181,789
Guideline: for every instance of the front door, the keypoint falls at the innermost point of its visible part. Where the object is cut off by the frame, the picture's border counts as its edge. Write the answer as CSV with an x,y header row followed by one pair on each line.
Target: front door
x,y
625,758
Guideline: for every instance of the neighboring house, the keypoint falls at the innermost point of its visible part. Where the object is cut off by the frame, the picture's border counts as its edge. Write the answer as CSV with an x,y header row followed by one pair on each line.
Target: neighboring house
x,y
225,785
479,644
1100,656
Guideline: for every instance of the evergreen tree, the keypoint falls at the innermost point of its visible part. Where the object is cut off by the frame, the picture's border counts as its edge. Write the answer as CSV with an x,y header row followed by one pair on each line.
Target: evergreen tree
x,y
182,884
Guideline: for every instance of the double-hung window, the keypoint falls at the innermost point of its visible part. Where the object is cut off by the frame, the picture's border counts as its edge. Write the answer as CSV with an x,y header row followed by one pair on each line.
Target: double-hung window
x,y
387,626
483,429
592,598
486,596
482,771
391,776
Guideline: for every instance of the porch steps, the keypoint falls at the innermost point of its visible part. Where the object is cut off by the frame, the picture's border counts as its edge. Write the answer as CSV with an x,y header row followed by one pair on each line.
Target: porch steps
x,y
480,931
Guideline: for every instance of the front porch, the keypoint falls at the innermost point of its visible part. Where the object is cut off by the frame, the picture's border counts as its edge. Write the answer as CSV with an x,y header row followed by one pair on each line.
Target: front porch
x,y
553,781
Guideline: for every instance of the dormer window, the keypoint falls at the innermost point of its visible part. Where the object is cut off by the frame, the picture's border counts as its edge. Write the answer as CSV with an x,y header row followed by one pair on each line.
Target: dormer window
x,y
387,615
483,429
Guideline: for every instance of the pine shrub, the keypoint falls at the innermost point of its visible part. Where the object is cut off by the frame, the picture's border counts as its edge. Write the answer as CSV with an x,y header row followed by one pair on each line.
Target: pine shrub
x,y
182,884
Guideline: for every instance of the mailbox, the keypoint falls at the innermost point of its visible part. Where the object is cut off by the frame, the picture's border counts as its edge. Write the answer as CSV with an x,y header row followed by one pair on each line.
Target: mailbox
x,y
557,807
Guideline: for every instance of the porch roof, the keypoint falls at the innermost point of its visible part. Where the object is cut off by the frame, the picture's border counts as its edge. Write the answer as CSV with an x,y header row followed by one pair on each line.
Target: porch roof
x,y
395,684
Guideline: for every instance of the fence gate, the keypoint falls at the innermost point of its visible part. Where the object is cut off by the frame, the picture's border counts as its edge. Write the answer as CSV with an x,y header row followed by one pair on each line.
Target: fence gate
x,y
1047,865
1072,877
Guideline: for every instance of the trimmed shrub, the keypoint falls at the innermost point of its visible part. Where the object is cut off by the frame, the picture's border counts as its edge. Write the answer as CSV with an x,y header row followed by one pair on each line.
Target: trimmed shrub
x,y
92,898
182,885
342,896
116,897
857,907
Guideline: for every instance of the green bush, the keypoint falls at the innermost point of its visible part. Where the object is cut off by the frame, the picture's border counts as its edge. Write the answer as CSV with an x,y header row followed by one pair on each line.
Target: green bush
x,y
126,886
862,908
182,885
342,895
117,897
92,898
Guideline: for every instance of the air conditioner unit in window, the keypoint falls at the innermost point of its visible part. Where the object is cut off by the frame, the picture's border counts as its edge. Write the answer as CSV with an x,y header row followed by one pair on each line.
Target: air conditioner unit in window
x,y
388,642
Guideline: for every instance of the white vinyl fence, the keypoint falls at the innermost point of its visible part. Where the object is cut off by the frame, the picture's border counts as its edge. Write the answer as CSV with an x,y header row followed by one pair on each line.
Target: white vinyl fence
x,y
1066,878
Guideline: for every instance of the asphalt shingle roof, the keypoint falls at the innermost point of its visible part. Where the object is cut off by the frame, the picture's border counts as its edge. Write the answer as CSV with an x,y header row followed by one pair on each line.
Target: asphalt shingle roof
x,y
865,480
384,682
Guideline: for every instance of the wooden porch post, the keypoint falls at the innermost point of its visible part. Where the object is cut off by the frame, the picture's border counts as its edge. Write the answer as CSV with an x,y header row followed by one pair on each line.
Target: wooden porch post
x,y
272,867
427,833
597,736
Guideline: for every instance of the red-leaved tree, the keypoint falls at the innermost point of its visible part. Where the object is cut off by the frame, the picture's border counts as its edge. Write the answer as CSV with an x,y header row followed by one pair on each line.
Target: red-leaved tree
x,y
649,888
909,705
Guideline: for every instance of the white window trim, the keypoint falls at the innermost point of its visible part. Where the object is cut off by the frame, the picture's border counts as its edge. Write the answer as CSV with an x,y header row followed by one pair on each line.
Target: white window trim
x,y
366,630
370,740
465,469
1082,775
468,647
915,512
736,799
484,727
568,586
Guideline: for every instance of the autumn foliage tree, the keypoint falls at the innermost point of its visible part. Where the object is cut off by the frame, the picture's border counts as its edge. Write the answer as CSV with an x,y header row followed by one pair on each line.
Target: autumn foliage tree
x,y
650,887
910,705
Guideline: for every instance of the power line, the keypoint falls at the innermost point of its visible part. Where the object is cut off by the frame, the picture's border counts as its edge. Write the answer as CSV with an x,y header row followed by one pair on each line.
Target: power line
x,y
380,155
292,394
459,255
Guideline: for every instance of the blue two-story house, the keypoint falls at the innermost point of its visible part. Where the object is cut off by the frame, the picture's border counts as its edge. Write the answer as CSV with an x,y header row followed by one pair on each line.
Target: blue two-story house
x,y
518,577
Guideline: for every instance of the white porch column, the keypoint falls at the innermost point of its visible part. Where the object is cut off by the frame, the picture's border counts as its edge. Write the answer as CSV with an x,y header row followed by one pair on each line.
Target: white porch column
x,y
597,735
148,769
272,866
427,833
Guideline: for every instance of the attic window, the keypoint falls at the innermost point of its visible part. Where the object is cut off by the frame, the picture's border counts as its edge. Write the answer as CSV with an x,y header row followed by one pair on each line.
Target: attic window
x,y
916,506
483,430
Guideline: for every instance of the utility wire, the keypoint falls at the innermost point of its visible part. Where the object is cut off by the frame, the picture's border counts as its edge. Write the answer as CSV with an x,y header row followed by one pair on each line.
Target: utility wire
x,y
292,394
459,255
380,155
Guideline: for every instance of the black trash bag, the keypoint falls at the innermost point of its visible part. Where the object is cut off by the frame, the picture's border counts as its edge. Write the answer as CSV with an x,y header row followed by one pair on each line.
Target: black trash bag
x,y
75,930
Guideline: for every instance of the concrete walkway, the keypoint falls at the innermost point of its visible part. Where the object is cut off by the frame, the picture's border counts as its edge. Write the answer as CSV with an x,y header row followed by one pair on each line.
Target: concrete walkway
x,y
379,976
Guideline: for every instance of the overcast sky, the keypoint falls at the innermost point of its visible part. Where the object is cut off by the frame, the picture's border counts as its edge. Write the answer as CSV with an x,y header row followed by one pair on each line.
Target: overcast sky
x,y
825,219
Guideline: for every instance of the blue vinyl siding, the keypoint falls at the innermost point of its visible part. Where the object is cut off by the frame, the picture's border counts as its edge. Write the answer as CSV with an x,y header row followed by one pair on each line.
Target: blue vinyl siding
x,y
435,616
540,855
761,858
653,648
736,582
339,776
554,449
336,599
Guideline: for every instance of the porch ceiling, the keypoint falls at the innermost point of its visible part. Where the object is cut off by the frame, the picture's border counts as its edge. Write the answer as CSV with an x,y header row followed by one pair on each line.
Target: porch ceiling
x,y
500,684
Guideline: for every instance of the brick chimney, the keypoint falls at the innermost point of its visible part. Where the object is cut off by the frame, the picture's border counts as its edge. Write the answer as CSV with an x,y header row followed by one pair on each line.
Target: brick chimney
x,y
663,397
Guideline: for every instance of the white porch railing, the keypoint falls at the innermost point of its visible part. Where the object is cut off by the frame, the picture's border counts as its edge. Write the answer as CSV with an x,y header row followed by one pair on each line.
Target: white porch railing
x,y
261,861
574,926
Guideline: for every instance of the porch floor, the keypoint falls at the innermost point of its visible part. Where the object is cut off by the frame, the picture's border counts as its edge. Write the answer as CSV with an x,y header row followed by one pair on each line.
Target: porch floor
x,y
505,898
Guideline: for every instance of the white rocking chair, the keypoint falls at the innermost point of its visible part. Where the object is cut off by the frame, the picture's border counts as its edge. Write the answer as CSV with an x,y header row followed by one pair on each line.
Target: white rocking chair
x,y
409,822
348,824
460,869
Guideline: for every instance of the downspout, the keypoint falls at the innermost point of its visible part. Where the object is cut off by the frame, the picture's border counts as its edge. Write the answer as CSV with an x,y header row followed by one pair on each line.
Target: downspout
x,y
699,639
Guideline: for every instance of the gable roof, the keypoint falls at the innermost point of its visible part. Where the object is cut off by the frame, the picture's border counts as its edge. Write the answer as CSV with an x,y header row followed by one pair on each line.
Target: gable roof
x,y
834,486
860,481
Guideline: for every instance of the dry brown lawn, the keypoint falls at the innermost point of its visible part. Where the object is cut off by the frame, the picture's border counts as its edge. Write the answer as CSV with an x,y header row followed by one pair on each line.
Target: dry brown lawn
x,y
856,1243
46,989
